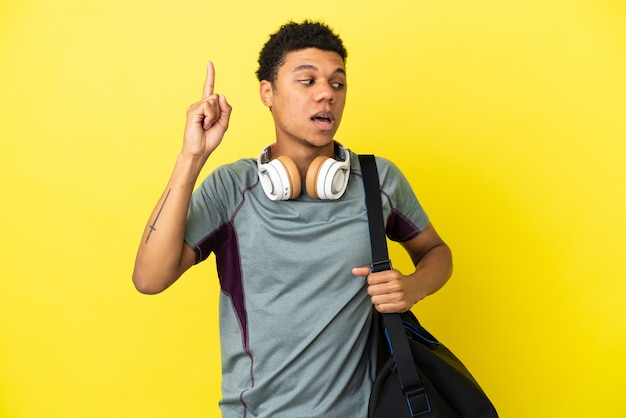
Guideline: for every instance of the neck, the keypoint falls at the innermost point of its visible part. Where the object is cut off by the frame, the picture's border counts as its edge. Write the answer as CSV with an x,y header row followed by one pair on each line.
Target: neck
x,y
304,154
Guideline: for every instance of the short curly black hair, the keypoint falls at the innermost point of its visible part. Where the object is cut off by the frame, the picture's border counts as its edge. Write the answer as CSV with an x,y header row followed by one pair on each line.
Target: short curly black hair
x,y
294,37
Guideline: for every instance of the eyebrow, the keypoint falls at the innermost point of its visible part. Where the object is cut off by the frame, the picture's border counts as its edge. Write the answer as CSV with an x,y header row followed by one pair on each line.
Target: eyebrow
x,y
313,67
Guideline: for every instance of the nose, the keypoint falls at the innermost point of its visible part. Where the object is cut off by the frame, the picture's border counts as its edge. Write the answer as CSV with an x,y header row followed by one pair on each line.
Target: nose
x,y
325,93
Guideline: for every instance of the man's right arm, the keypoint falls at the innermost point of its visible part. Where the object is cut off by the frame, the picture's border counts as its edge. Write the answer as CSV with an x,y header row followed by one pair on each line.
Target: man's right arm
x,y
163,255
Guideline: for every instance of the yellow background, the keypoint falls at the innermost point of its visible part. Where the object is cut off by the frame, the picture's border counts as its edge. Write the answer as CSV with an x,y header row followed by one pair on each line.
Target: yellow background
x,y
507,116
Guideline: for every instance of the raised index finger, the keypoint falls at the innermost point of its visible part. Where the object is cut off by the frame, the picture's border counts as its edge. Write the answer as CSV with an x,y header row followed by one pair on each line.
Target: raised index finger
x,y
210,80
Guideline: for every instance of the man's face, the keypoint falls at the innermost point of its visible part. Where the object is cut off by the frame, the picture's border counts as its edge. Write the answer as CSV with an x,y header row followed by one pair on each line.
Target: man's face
x,y
308,97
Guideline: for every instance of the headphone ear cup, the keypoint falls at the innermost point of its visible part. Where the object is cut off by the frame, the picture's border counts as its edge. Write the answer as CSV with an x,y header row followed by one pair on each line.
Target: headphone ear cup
x,y
291,174
280,179
327,178
312,175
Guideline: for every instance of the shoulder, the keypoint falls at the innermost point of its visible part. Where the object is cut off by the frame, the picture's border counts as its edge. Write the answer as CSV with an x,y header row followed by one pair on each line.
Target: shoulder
x,y
385,167
240,168
239,174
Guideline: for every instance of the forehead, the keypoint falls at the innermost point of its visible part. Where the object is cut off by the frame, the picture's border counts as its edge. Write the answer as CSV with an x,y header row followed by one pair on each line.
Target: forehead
x,y
312,59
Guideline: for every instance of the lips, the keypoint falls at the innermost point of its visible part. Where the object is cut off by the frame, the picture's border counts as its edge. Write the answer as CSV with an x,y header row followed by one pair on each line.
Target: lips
x,y
324,120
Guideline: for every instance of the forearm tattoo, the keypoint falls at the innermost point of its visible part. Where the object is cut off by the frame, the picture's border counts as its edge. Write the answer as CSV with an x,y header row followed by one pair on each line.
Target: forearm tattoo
x,y
156,218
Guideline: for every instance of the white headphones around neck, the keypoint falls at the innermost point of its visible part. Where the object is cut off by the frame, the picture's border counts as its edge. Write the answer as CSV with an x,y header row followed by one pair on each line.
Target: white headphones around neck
x,y
326,178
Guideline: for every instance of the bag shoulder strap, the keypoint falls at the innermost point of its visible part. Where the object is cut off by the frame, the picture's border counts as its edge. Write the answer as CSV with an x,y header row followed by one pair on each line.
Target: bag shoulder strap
x,y
378,237
412,386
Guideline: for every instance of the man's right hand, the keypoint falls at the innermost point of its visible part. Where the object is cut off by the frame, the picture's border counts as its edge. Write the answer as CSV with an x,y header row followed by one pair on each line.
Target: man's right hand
x,y
207,120
163,254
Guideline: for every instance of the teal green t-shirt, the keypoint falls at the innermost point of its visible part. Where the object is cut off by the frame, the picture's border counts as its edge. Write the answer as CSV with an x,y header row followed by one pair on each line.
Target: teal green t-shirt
x,y
294,321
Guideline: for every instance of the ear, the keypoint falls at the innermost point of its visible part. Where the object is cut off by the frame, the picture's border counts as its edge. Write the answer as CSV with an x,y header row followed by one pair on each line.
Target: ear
x,y
266,92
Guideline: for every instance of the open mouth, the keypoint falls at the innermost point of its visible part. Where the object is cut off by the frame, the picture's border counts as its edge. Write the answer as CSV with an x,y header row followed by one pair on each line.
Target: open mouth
x,y
323,119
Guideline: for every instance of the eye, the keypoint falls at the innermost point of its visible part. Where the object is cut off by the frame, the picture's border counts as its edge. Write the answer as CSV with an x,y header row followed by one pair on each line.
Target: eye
x,y
306,82
337,85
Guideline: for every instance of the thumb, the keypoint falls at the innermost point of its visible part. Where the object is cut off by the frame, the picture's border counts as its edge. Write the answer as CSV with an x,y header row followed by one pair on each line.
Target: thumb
x,y
361,271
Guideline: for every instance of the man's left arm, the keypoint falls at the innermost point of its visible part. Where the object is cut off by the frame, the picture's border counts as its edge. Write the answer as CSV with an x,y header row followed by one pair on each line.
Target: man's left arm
x,y
391,291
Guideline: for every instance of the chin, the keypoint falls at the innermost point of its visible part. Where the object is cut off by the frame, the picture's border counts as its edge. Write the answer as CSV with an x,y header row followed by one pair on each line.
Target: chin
x,y
323,139
312,139
321,142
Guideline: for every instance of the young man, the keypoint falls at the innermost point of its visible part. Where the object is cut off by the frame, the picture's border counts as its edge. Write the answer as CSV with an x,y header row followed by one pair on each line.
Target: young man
x,y
290,234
